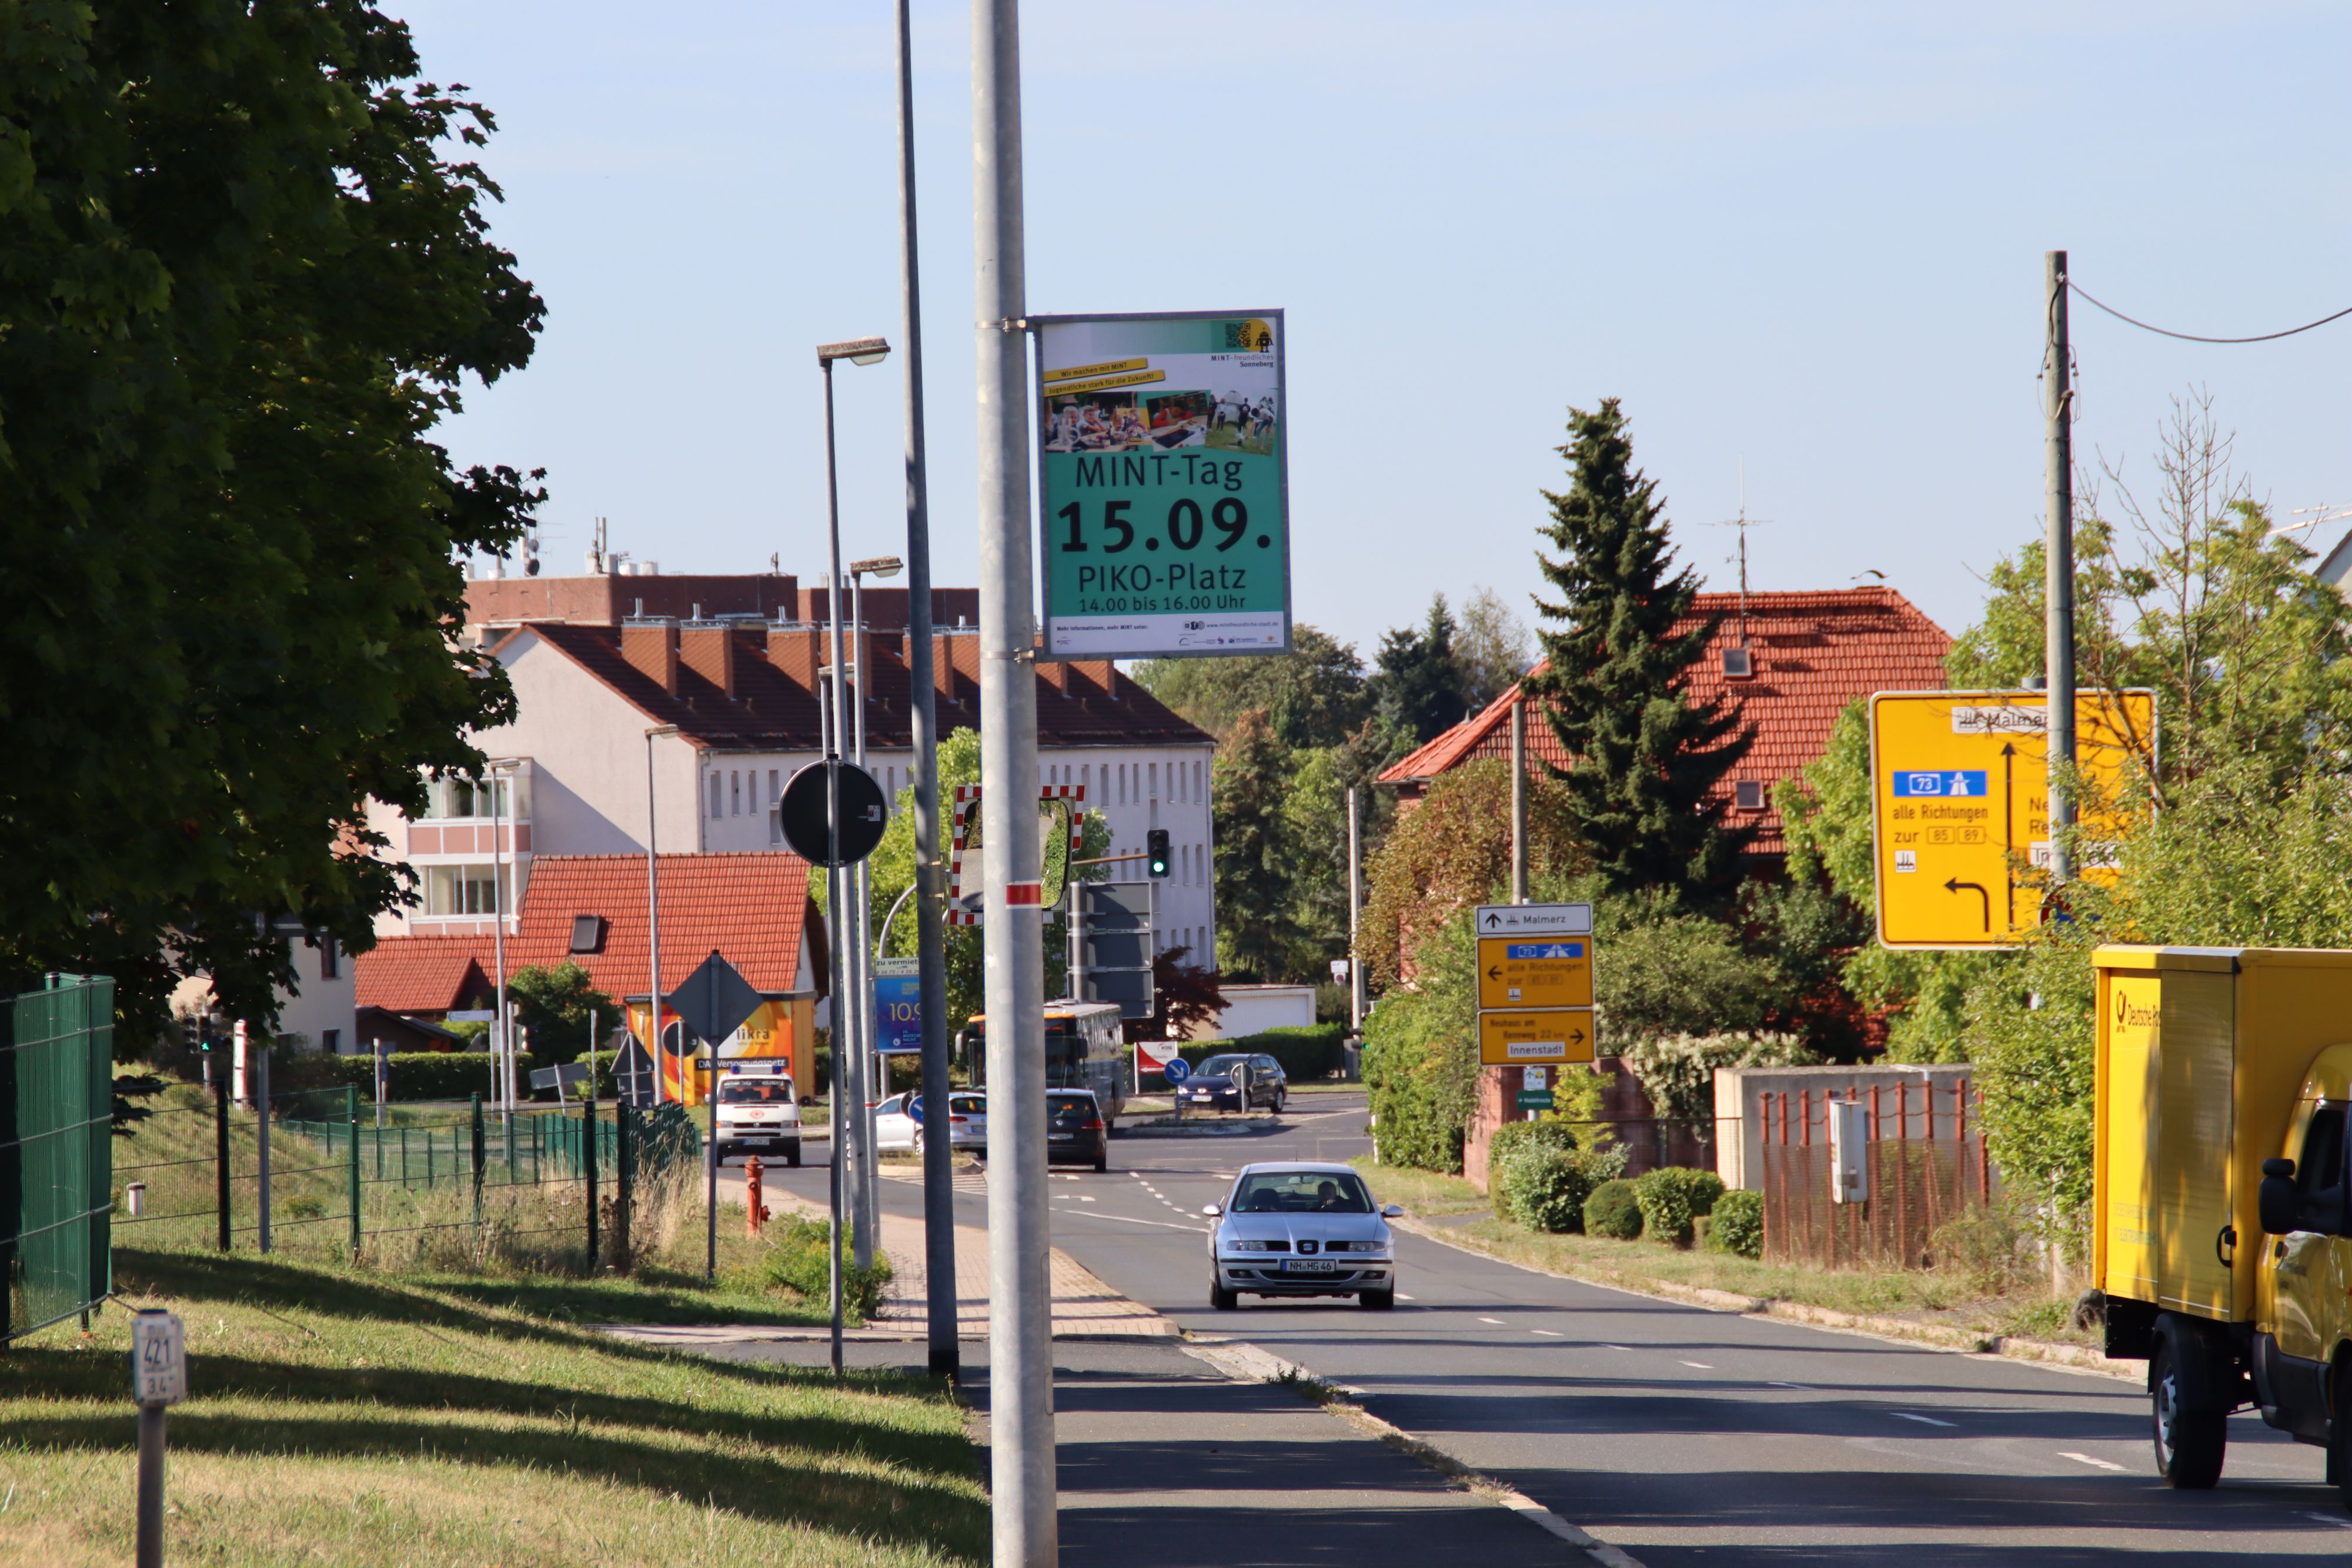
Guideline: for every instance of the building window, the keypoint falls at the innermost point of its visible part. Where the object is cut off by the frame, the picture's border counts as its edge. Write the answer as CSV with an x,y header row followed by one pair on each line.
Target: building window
x,y
734,797
1155,780
462,799
715,804
330,1040
1200,787
1747,794
460,890
330,959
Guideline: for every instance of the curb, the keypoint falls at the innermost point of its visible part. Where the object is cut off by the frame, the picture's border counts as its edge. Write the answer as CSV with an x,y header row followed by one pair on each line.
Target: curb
x,y
1206,1130
1923,1336
1246,1363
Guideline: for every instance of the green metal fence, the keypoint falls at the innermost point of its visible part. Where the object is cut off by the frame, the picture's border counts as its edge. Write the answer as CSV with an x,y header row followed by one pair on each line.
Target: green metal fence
x,y
56,1172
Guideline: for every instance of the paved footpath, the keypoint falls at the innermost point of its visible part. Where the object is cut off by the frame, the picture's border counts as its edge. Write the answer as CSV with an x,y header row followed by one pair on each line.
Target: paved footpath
x,y
1167,1461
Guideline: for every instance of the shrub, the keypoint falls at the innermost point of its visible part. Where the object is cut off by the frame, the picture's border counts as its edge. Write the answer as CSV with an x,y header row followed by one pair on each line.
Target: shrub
x,y
1735,1224
1613,1211
1544,1186
799,1258
1670,1197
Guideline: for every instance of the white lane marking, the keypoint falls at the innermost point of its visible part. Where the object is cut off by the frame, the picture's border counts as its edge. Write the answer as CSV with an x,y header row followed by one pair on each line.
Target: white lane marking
x,y
1927,1420
1497,1321
1085,1200
1547,1333
1618,1348
2337,1519
1402,1297
2093,1460
1130,1220
1804,1387
1702,1366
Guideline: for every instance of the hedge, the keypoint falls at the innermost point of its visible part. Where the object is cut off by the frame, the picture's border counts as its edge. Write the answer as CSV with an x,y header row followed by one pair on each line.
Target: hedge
x,y
1737,1224
1309,1052
416,1074
1613,1211
1546,1186
1670,1197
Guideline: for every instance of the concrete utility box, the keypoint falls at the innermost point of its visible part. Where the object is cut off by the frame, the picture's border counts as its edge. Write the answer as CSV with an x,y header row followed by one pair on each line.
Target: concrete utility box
x,y
2201,1057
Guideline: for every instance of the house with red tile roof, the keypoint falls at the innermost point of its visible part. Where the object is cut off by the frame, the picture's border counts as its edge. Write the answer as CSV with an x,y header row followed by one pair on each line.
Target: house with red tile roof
x,y
1792,662
752,909
680,733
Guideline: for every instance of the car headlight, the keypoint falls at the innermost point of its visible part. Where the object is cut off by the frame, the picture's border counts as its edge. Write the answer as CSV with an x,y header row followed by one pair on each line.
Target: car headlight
x,y
1354,1247
1249,1246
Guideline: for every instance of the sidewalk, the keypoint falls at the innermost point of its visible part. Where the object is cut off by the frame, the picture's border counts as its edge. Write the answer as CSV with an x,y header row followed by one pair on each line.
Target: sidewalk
x,y
1082,1303
1166,1462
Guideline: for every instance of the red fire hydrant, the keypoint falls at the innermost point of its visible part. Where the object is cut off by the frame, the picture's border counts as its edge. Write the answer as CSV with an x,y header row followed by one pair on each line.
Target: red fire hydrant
x,y
755,1213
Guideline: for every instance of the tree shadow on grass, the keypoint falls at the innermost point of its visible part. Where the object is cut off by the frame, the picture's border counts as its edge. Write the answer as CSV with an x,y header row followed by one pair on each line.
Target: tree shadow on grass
x,y
239,1278
72,1375
757,1483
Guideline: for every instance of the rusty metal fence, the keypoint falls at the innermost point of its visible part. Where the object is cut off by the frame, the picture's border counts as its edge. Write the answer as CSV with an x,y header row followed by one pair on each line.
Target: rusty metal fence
x,y
1925,1164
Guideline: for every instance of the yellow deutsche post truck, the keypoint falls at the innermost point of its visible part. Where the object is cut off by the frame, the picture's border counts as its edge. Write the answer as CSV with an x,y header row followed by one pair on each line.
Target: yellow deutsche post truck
x,y
2221,1237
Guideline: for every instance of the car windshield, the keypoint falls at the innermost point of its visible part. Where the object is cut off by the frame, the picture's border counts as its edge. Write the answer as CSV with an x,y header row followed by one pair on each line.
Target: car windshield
x,y
755,1092
1220,1066
967,1105
1065,1107
1302,1192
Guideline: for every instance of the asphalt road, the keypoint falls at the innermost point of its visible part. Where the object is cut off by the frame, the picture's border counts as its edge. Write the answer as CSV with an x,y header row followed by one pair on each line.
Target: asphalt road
x,y
1690,1437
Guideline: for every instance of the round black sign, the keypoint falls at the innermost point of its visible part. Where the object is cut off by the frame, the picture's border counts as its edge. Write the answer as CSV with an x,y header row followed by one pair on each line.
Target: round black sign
x,y
807,801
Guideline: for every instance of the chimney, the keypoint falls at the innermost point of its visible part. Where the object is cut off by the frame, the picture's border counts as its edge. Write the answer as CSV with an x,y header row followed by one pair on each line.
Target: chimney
x,y
1100,674
793,649
710,651
1056,673
652,647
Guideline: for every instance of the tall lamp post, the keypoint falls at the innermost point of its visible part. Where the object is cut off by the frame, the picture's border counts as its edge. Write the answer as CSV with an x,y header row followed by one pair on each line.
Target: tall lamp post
x,y
502,1086
849,1078
869,1190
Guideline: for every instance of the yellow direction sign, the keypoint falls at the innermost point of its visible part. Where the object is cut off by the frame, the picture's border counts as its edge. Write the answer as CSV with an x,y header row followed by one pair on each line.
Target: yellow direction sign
x,y
1535,972
1510,1037
1960,805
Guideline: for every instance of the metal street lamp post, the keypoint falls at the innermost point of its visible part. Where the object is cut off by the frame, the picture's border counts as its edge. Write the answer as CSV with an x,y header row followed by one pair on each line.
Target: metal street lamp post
x,y
868,1207
848,1093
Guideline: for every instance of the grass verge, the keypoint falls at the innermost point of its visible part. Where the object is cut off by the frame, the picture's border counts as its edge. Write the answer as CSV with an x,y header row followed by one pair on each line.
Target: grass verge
x,y
1915,1295
343,1415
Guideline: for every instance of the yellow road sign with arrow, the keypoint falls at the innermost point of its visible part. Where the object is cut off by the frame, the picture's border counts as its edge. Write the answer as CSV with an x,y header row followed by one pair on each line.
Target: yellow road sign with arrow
x,y
1535,983
1960,806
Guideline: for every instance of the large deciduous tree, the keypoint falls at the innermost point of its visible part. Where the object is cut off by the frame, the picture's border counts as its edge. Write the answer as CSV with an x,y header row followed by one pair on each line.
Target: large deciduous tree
x,y
1647,758
245,268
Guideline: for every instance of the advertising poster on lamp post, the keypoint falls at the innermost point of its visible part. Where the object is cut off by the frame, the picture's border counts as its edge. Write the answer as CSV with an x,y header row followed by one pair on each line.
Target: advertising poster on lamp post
x,y
1162,459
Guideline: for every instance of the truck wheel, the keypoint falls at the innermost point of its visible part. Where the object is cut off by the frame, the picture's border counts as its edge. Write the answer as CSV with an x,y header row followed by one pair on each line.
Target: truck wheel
x,y
2189,1444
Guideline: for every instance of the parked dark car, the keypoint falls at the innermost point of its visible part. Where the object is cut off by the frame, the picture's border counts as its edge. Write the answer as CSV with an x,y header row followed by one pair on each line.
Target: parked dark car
x,y
1216,1083
1075,1131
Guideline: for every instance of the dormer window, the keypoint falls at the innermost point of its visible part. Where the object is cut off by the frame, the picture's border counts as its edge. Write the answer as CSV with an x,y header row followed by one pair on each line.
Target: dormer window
x,y
1737,666
1747,794
587,934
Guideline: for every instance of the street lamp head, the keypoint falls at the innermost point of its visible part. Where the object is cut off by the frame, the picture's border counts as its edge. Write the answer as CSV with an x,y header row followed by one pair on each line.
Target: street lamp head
x,y
857,350
877,566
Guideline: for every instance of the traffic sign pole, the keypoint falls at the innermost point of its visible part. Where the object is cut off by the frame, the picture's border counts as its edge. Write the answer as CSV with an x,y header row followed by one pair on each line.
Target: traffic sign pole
x,y
1021,1364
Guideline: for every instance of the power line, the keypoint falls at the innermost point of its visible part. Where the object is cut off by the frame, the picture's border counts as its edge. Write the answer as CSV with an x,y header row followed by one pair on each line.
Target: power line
x,y
2193,338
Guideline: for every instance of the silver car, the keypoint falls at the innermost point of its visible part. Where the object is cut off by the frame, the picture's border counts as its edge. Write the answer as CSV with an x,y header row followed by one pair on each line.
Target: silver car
x,y
1301,1229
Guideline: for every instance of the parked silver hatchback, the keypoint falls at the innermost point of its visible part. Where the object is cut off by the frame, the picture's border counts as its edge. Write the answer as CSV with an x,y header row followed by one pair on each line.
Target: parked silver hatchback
x,y
1301,1229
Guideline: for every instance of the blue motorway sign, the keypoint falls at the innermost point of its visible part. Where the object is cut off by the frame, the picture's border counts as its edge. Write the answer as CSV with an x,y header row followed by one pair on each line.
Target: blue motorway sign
x,y
1951,784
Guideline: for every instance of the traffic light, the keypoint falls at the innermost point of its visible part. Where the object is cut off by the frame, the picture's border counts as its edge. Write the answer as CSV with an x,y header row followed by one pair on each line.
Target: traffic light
x,y
1155,848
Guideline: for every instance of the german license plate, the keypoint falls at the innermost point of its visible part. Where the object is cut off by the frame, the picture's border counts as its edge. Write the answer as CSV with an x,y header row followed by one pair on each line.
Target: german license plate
x,y
1310,1266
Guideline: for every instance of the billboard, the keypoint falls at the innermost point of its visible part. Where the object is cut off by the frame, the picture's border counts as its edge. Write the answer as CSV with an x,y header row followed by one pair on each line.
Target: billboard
x,y
1163,518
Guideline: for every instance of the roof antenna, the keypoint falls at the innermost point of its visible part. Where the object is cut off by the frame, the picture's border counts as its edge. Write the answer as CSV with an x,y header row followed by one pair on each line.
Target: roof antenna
x,y
1743,522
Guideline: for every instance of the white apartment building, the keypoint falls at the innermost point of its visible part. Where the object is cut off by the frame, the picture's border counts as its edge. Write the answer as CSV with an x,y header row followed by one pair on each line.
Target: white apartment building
x,y
734,705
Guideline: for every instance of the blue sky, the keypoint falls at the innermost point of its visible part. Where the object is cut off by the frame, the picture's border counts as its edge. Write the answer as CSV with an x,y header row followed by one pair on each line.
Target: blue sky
x,y
1806,237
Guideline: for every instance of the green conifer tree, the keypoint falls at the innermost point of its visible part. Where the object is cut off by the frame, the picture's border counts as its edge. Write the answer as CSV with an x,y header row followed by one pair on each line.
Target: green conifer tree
x,y
1642,788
